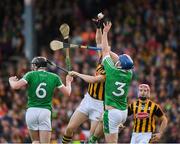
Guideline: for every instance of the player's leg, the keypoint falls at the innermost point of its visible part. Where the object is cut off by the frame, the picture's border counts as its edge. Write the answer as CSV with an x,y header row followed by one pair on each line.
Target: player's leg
x,y
110,128
111,121
45,136
32,124
78,117
45,126
111,138
94,124
95,115
76,120
97,109
34,136
98,133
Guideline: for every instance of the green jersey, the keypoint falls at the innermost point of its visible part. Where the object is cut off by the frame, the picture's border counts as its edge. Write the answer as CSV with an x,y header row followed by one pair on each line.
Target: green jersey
x,y
41,85
116,84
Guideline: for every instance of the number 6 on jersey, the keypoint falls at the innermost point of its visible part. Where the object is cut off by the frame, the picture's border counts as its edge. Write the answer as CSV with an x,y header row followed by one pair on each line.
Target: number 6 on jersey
x,y
40,91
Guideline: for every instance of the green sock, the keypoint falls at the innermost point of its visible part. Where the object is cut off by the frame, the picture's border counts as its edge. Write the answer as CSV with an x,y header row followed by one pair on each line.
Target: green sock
x,y
92,139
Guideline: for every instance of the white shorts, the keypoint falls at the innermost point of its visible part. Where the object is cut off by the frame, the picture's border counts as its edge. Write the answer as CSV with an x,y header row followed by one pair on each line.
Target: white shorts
x,y
112,119
38,119
91,107
141,138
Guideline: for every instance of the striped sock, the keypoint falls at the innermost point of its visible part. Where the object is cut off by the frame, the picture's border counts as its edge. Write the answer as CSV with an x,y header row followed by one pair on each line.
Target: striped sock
x,y
66,139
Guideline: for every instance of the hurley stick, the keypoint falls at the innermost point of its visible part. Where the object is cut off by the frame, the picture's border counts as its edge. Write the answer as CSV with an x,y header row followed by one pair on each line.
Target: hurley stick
x,y
65,29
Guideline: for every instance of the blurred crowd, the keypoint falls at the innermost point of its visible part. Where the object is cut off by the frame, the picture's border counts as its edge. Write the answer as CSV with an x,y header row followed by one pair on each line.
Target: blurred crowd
x,y
149,31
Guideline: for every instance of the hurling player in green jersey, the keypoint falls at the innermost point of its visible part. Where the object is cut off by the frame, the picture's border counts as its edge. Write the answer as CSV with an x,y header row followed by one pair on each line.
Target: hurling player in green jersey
x,y
40,86
118,79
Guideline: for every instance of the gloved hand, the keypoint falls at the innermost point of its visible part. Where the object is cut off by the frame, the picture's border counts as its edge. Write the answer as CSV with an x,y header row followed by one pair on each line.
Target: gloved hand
x,y
98,21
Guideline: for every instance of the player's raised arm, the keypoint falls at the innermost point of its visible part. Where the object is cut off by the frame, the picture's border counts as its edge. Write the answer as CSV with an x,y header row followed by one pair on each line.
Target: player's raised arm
x,y
98,36
98,22
88,78
105,46
66,90
15,83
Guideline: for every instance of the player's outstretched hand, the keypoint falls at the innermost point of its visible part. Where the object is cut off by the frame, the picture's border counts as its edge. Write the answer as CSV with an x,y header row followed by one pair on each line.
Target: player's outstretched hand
x,y
69,78
107,26
73,73
13,78
155,137
98,20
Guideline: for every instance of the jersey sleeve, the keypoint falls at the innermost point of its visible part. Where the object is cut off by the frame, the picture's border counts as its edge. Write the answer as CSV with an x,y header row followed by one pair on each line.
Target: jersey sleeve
x,y
158,112
59,83
130,109
27,77
108,63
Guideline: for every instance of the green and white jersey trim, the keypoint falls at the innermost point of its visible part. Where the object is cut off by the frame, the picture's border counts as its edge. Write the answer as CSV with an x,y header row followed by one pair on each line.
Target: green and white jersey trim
x,y
110,62
24,80
61,86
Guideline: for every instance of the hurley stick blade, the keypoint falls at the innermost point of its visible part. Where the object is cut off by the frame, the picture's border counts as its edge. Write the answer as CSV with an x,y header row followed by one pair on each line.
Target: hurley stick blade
x,y
64,29
56,45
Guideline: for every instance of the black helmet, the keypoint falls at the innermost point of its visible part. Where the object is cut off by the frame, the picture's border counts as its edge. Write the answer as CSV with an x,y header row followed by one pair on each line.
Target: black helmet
x,y
38,62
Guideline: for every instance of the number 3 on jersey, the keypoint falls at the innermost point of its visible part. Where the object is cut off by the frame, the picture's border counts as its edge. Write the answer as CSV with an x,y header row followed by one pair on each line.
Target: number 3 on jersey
x,y
40,91
119,88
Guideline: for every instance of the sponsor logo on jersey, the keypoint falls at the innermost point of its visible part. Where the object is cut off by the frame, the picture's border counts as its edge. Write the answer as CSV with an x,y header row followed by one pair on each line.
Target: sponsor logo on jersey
x,y
142,115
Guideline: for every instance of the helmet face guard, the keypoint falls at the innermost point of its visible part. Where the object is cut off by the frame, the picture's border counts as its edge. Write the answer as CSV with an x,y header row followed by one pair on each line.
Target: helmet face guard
x,y
38,62
126,62
143,91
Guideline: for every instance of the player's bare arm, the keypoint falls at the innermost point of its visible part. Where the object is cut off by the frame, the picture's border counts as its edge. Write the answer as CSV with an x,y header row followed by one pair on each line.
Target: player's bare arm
x,y
105,46
157,136
114,57
66,90
15,83
88,78
98,42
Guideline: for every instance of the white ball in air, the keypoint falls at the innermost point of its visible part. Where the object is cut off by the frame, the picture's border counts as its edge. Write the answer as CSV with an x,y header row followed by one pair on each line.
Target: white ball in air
x,y
100,15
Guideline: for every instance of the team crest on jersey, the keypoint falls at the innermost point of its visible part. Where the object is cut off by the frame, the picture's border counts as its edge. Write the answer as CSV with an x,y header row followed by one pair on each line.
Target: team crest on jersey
x,y
142,115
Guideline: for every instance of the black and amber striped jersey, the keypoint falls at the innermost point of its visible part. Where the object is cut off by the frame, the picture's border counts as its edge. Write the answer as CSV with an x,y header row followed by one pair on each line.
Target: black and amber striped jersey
x,y
96,90
144,115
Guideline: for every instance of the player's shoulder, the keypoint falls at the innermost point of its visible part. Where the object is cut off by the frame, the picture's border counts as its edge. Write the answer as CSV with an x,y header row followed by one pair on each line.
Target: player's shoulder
x,y
154,103
30,73
52,74
125,73
151,101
